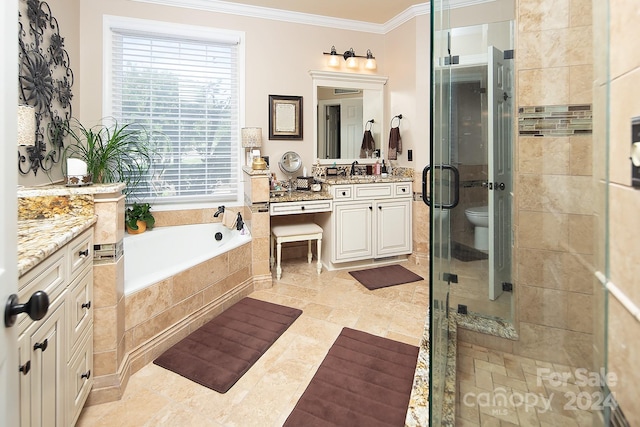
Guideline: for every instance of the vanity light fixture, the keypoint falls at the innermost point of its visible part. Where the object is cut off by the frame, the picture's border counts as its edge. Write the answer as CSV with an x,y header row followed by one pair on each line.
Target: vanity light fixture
x,y
351,59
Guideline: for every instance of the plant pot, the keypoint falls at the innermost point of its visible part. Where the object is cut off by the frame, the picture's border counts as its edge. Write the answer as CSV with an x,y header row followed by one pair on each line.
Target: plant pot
x,y
142,226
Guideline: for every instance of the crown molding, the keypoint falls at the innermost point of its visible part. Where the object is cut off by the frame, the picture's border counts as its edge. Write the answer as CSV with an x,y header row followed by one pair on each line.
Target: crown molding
x,y
221,6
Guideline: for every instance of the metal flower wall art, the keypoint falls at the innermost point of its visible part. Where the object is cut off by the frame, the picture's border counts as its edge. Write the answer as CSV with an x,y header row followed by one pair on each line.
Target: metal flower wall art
x,y
45,81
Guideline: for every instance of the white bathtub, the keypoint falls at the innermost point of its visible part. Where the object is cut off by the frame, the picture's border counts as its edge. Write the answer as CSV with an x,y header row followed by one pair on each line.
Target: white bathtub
x,y
158,254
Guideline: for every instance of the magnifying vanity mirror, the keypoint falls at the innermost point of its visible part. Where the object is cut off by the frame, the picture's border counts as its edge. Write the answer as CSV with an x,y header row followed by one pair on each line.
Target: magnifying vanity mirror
x,y
346,103
290,163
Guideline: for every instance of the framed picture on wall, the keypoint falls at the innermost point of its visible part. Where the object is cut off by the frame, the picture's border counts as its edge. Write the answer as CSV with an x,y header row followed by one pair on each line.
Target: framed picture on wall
x,y
285,117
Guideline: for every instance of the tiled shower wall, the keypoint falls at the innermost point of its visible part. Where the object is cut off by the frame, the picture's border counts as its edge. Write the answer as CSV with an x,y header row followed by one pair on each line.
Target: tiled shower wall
x,y
554,212
621,82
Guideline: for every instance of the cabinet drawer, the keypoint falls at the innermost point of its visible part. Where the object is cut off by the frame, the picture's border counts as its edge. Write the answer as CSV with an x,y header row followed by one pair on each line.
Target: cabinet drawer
x,y
79,378
49,276
310,206
371,191
79,309
80,253
403,189
342,192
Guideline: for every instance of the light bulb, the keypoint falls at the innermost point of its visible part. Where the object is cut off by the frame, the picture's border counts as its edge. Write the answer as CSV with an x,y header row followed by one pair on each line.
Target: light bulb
x,y
352,62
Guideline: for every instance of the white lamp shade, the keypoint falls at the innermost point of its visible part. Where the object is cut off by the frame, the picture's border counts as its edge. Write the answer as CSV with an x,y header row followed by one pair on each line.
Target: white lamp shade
x,y
26,125
352,62
370,64
251,137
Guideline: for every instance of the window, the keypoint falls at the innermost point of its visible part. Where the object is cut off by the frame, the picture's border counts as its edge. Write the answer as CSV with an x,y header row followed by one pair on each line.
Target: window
x,y
183,89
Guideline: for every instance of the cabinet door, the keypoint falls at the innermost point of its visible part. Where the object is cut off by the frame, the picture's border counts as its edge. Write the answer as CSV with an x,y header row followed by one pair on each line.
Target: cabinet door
x,y
352,231
24,361
393,228
47,349
79,377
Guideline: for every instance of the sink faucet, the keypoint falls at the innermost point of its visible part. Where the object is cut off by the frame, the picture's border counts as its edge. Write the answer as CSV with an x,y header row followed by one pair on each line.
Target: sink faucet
x,y
353,167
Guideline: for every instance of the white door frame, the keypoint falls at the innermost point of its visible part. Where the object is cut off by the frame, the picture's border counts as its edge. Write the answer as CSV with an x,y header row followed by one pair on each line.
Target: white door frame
x,y
9,388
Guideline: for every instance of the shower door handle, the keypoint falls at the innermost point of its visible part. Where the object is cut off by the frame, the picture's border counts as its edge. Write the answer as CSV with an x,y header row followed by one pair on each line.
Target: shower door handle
x,y
425,198
456,186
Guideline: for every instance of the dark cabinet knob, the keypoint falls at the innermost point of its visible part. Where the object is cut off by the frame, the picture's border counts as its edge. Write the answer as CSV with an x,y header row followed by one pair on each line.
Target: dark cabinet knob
x,y
301,208
36,307
25,368
380,207
86,305
41,345
344,193
86,375
83,254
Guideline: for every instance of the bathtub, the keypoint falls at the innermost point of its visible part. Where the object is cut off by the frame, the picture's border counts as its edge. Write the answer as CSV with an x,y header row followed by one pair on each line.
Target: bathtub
x,y
163,252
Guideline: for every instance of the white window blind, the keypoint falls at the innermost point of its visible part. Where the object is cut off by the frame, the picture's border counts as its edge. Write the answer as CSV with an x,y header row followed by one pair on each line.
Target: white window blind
x,y
184,92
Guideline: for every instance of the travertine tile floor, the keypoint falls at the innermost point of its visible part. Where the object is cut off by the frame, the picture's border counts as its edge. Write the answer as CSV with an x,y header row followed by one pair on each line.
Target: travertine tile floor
x,y
501,389
267,393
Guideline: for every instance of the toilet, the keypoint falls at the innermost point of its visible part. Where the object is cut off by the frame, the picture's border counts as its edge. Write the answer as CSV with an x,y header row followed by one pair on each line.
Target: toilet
x,y
479,217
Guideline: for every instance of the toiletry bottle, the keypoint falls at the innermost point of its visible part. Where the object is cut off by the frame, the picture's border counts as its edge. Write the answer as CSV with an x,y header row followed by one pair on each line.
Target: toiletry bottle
x,y
383,169
377,168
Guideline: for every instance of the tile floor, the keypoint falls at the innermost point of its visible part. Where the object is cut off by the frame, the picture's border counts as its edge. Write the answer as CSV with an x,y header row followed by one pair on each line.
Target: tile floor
x,y
484,376
267,393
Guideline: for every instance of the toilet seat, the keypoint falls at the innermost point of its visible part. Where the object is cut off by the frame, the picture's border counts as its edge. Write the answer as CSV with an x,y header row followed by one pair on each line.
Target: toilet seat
x,y
478,211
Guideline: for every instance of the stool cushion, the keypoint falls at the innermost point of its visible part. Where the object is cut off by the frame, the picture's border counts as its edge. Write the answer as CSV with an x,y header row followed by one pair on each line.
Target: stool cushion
x,y
295,229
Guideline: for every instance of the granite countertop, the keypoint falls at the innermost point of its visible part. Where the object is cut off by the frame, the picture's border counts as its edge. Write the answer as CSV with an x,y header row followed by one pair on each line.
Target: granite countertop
x,y
63,190
363,179
39,238
298,196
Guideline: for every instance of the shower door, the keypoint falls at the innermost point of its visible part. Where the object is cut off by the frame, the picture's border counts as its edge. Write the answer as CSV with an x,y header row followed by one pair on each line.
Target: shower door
x,y
500,91
441,178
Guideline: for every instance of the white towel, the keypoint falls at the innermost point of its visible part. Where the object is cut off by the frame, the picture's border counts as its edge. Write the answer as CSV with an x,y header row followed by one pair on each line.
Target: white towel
x,y
229,218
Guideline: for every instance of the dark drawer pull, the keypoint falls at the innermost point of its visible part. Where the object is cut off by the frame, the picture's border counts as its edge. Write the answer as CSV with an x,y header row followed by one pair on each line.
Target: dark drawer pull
x,y
301,208
41,345
370,208
25,368
404,190
380,207
86,375
83,254
344,193
86,305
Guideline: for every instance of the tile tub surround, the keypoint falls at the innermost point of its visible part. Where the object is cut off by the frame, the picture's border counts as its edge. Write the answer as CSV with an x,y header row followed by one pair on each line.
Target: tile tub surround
x,y
159,315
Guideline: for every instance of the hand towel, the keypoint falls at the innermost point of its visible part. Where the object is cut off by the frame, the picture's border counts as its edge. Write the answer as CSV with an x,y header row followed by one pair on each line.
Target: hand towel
x,y
395,143
368,144
229,218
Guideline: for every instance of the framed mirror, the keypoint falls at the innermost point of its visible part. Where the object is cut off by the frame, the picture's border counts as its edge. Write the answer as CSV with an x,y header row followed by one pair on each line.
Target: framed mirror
x,y
345,104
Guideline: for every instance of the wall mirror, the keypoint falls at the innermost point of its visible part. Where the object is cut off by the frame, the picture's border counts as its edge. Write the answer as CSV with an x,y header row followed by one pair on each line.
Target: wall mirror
x,y
344,103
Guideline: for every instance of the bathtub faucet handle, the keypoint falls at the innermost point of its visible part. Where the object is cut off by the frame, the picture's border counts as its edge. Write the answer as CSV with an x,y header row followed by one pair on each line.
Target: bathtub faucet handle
x,y
239,223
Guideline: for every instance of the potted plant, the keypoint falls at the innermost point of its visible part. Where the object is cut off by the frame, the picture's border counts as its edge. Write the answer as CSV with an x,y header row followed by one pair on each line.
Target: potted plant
x,y
116,153
138,218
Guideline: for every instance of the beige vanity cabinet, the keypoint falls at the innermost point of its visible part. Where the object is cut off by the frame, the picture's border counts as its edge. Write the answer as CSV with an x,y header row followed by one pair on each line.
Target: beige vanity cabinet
x,y
56,352
371,221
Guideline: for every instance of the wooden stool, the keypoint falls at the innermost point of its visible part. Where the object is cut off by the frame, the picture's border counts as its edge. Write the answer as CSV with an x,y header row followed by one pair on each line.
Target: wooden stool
x,y
294,233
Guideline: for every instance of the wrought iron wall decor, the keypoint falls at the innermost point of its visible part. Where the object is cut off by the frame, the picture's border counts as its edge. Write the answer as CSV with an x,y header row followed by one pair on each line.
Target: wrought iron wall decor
x,y
45,81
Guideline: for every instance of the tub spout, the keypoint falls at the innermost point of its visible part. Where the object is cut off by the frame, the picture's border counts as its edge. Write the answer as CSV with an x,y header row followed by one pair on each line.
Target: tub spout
x,y
219,211
239,223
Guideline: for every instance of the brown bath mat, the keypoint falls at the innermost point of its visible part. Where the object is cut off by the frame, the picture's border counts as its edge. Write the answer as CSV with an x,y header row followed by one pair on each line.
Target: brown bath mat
x,y
364,380
467,253
222,350
382,277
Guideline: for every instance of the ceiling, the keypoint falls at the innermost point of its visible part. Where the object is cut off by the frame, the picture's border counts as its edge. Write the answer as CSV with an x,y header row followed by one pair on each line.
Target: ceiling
x,y
372,11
